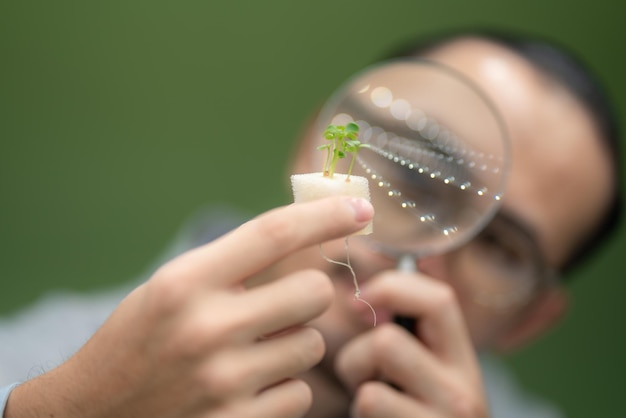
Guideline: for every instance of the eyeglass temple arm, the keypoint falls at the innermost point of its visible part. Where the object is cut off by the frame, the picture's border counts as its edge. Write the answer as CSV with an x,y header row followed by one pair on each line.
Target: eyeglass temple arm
x,y
407,264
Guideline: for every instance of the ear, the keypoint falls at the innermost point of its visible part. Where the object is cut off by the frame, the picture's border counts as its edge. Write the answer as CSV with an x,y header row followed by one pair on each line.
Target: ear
x,y
542,315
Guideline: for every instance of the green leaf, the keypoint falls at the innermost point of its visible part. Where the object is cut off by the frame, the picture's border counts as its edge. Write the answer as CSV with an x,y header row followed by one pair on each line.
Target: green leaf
x,y
344,141
352,127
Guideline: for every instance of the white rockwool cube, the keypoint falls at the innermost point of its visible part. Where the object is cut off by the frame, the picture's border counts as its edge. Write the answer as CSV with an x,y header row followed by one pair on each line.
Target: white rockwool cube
x,y
313,186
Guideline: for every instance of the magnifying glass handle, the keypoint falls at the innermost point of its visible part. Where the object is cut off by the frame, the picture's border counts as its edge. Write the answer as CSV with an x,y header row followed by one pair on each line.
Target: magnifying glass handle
x,y
406,322
406,263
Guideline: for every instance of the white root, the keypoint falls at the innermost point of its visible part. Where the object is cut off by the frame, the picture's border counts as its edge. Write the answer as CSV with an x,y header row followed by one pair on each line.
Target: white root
x,y
357,290
313,186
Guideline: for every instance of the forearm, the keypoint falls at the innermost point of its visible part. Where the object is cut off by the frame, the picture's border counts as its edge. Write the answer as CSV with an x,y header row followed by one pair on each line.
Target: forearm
x,y
49,395
4,395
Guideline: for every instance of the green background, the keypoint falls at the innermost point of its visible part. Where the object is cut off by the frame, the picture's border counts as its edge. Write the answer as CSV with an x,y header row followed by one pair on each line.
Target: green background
x,y
119,119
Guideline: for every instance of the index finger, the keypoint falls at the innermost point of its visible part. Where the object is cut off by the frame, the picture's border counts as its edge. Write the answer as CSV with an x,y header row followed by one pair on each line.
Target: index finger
x,y
273,235
441,322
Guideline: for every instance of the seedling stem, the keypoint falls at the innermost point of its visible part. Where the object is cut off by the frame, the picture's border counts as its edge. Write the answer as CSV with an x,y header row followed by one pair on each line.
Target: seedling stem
x,y
343,140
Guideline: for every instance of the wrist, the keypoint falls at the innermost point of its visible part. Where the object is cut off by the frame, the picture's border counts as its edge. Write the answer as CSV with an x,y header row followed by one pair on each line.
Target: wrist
x,y
46,395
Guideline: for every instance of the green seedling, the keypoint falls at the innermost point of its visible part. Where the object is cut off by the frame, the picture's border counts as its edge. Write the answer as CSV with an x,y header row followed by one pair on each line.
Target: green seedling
x,y
342,141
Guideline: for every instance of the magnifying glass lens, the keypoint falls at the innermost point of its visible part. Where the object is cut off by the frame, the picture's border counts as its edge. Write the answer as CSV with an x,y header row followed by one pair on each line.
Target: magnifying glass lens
x,y
436,157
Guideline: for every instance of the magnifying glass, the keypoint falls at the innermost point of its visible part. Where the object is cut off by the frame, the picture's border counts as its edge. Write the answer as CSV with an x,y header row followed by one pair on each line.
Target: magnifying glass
x,y
437,157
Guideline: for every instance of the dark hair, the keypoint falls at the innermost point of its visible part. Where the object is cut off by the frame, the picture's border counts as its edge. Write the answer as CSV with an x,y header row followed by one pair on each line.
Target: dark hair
x,y
564,66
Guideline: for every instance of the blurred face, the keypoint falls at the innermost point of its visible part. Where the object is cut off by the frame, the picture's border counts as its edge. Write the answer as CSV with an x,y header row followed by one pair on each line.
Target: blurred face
x,y
559,184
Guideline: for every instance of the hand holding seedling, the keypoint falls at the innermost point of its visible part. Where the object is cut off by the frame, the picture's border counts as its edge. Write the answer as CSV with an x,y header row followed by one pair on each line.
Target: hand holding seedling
x,y
192,341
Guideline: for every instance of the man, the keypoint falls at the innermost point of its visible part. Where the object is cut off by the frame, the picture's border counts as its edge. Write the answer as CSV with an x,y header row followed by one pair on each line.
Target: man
x,y
192,341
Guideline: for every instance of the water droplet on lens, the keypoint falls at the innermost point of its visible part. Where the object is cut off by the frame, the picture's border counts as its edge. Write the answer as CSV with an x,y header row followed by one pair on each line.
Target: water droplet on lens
x,y
362,124
429,217
433,131
400,109
449,230
381,96
366,135
341,119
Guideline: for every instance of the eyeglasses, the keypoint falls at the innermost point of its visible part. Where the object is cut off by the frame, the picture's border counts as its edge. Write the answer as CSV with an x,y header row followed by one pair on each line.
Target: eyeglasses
x,y
502,267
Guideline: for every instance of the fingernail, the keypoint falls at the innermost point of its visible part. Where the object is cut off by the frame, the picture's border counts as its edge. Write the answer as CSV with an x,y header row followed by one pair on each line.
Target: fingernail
x,y
363,210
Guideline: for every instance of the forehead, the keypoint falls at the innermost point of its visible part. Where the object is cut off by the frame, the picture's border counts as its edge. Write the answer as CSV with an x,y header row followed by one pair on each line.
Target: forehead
x,y
559,179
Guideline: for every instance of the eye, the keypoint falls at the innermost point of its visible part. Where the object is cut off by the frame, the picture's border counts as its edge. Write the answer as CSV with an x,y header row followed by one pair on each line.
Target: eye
x,y
502,249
